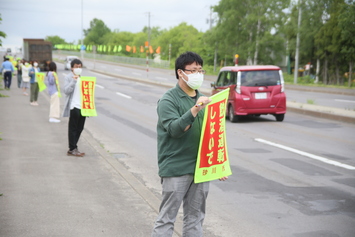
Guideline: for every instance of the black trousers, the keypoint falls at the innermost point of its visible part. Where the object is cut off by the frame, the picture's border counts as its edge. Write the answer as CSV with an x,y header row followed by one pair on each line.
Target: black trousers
x,y
76,126
7,79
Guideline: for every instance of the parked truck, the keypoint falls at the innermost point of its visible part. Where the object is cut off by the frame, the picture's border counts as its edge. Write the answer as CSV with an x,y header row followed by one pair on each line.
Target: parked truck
x,y
38,50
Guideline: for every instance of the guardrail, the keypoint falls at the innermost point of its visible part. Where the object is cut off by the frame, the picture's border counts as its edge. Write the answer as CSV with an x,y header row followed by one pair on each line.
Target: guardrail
x,y
117,59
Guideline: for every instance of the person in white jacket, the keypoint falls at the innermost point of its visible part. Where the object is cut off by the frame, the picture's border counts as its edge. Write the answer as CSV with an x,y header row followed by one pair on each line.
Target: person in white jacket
x,y
25,84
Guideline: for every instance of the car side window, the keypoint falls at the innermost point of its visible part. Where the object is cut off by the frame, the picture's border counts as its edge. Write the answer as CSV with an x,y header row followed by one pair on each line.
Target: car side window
x,y
230,79
221,78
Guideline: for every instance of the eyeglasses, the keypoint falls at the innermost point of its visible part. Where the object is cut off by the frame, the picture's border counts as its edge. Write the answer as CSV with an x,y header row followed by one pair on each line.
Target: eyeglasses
x,y
195,71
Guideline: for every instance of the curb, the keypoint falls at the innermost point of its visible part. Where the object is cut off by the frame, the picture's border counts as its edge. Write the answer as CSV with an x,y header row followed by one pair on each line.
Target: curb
x,y
322,111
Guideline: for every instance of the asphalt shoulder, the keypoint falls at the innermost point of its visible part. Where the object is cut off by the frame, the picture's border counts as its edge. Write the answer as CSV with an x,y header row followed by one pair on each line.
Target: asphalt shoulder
x,y
44,191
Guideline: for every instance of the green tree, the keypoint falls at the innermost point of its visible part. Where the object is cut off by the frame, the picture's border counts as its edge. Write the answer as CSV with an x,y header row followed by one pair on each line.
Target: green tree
x,y
120,38
182,38
346,21
95,35
313,15
328,43
2,34
251,29
55,40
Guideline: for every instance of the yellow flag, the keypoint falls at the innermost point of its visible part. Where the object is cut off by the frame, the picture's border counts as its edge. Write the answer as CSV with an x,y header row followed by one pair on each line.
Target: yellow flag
x,y
40,80
87,89
57,84
212,160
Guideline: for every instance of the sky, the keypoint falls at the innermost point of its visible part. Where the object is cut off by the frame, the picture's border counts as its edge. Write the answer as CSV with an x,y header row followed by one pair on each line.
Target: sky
x,y
65,18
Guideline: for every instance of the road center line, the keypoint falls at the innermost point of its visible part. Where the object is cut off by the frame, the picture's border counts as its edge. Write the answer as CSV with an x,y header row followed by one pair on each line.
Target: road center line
x,y
123,95
101,75
100,86
309,155
349,101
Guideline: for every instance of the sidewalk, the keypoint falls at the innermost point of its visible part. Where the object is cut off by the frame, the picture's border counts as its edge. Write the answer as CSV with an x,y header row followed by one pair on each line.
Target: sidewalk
x,y
47,193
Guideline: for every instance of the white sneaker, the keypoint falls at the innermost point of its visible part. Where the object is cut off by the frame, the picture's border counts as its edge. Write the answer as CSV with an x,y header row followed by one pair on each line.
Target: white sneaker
x,y
54,120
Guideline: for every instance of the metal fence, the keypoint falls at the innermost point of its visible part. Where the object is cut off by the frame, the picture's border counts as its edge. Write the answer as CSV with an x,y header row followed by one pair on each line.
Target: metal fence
x,y
117,59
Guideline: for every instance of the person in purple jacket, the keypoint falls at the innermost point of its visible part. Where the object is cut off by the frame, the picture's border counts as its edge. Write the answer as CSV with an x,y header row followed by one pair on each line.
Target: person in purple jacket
x,y
52,87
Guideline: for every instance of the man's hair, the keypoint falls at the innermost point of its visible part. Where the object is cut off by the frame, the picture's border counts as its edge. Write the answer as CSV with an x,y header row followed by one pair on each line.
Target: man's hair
x,y
75,61
187,58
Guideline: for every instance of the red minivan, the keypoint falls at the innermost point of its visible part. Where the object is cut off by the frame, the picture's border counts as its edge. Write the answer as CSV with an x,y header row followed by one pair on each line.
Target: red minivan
x,y
254,90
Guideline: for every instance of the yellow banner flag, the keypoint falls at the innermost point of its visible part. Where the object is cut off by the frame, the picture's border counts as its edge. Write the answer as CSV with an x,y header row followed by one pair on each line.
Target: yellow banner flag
x,y
57,84
212,160
87,89
40,76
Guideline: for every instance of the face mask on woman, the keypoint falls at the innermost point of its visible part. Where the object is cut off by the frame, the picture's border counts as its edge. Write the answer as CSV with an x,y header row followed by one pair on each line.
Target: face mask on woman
x,y
195,80
35,64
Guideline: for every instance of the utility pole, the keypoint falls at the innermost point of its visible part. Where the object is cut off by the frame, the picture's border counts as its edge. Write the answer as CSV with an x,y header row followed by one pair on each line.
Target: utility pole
x,y
169,53
297,43
82,32
215,58
211,21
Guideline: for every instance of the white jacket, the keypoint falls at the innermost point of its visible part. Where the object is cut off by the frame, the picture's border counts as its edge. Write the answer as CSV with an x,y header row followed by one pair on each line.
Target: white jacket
x,y
25,76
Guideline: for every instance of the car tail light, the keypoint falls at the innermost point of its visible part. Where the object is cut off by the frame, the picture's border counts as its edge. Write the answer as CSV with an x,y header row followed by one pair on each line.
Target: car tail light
x,y
237,88
282,81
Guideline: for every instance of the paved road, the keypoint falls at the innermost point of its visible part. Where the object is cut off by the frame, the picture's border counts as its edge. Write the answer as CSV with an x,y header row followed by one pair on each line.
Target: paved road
x,y
47,193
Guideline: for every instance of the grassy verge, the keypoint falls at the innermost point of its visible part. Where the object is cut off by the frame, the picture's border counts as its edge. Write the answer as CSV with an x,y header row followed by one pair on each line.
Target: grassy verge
x,y
309,81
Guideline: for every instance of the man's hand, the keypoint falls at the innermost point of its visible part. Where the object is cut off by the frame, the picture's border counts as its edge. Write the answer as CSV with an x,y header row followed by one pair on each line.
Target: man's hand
x,y
200,104
223,178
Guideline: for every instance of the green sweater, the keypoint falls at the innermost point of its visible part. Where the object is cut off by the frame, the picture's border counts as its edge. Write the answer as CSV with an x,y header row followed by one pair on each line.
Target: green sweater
x,y
177,150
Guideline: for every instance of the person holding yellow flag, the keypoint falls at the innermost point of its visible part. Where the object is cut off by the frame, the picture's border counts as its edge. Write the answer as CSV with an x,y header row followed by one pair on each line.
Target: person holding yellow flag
x,y
51,82
180,117
25,84
34,90
72,107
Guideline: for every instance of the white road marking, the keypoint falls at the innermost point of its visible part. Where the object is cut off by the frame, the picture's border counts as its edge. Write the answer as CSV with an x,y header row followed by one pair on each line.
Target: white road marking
x,y
123,95
349,101
119,70
101,75
309,155
100,86
161,78
136,73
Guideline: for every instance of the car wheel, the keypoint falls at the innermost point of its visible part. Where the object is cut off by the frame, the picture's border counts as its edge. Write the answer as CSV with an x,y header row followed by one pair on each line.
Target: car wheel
x,y
279,117
232,117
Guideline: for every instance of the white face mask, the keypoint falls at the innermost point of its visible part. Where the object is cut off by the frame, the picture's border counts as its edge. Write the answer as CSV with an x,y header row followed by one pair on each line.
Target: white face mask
x,y
195,80
35,64
77,71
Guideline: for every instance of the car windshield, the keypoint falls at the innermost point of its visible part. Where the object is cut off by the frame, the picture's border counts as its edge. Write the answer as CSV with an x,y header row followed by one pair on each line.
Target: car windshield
x,y
260,78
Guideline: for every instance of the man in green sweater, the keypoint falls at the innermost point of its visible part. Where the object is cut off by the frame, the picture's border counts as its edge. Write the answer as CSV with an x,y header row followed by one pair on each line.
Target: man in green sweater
x,y
180,117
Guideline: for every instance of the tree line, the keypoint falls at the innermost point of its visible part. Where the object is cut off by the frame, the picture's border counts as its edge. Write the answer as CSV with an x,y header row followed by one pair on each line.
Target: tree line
x,y
259,31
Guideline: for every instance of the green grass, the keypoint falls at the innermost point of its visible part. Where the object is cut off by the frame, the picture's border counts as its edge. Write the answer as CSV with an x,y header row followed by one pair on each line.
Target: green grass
x,y
308,81
310,102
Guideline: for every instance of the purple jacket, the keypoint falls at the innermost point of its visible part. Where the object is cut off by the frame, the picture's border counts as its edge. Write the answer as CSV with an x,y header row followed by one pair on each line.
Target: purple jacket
x,y
50,83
